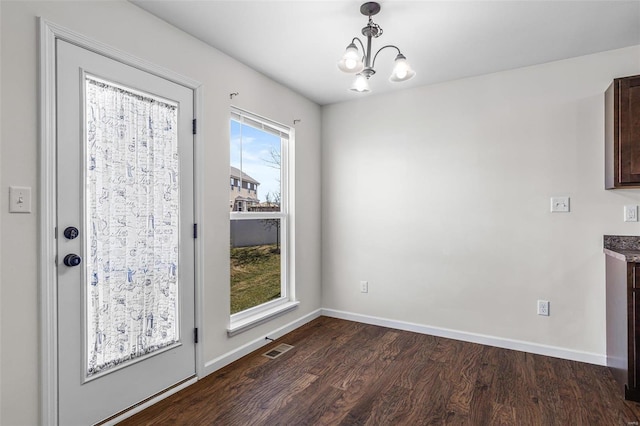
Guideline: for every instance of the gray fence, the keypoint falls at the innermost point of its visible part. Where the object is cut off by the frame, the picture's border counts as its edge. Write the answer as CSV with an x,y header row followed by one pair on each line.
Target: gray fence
x,y
254,232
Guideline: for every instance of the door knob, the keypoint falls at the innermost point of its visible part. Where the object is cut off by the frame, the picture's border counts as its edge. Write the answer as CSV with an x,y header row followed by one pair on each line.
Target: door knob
x,y
71,232
72,260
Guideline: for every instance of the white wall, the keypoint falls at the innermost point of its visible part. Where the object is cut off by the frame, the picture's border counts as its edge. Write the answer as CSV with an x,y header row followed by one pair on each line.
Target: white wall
x,y
127,27
439,197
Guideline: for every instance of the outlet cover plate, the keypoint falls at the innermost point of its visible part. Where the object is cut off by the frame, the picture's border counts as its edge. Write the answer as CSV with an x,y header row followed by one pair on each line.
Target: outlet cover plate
x,y
560,204
631,213
543,308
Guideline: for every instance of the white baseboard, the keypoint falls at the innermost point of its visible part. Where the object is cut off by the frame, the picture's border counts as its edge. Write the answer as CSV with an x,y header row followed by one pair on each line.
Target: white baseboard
x,y
229,357
518,345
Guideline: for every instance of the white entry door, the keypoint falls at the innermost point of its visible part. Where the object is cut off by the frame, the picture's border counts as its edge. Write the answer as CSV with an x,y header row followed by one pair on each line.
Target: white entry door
x,y
124,234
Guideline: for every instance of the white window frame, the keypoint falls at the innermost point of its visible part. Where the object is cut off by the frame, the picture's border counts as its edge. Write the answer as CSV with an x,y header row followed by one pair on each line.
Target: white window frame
x,y
256,315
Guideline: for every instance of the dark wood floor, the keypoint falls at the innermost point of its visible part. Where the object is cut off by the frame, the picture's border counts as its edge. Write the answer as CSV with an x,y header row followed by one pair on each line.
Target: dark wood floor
x,y
346,373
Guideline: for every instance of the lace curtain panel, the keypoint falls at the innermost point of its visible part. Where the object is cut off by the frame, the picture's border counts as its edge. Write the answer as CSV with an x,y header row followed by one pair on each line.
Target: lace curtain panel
x,y
132,217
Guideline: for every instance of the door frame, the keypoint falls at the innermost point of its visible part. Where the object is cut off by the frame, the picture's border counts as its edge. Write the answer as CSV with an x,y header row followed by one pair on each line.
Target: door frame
x,y
47,271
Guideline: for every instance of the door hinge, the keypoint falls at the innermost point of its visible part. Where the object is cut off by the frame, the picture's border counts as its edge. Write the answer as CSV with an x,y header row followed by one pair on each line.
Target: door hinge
x,y
195,335
195,230
194,126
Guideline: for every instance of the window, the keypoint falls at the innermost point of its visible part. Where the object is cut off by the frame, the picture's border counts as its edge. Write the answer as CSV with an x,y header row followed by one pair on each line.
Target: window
x,y
260,250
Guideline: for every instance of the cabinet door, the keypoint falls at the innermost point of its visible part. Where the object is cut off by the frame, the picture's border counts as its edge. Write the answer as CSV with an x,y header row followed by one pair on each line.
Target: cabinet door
x,y
634,342
628,128
634,327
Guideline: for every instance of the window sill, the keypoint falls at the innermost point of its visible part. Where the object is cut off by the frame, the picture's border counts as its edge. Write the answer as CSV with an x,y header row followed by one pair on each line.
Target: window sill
x,y
245,324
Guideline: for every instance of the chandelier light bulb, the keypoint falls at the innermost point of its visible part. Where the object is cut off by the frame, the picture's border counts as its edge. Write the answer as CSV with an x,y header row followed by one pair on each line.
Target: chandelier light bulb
x,y
351,61
360,84
401,70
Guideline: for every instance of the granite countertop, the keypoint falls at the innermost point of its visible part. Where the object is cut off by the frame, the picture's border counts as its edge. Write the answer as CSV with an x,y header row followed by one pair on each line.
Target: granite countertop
x,y
626,248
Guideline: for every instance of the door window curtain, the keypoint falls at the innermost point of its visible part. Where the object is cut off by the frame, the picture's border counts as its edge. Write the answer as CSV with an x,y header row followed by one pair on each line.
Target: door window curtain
x,y
132,199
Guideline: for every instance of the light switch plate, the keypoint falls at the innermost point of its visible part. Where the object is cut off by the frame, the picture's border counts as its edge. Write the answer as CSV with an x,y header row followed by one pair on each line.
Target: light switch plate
x,y
19,199
559,204
630,213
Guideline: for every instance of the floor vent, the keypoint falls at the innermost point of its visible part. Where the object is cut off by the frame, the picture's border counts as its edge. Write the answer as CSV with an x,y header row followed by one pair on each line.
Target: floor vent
x,y
277,351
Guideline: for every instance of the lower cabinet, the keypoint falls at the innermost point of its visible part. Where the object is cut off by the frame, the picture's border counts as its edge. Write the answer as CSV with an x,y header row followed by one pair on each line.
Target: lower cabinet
x,y
623,324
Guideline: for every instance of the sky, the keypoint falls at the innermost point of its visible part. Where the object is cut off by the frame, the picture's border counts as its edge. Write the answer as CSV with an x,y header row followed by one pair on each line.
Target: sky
x,y
252,147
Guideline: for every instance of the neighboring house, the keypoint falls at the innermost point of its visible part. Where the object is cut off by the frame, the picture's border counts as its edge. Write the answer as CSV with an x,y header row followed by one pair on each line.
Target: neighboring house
x,y
243,192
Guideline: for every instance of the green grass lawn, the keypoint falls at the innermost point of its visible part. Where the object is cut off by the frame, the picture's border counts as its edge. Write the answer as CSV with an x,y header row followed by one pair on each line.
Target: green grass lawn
x,y
255,276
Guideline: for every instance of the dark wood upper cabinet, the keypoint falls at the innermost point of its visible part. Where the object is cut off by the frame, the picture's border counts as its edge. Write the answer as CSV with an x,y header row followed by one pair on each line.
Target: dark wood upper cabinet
x,y
622,133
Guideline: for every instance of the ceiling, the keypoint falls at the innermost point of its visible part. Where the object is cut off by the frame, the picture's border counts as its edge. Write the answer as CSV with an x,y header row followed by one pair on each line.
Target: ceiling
x,y
298,43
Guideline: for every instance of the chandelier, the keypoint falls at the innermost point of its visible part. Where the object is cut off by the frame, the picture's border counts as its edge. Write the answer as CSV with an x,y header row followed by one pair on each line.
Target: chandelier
x,y
362,65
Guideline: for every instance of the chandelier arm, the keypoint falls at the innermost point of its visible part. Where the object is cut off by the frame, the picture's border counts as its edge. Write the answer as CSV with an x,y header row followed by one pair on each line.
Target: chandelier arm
x,y
364,54
373,65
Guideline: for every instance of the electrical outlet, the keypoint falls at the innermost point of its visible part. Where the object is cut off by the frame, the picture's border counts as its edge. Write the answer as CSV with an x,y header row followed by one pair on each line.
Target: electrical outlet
x,y
630,213
560,204
543,307
364,286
